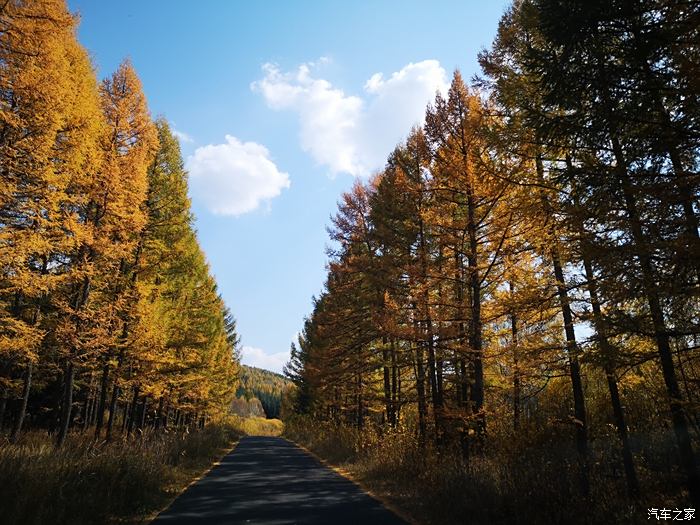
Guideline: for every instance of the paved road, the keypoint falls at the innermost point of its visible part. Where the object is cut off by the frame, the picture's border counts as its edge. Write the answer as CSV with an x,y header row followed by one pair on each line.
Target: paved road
x,y
271,481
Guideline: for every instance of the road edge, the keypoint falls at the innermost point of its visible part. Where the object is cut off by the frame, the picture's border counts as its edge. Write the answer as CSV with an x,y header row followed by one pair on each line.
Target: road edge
x,y
350,477
154,515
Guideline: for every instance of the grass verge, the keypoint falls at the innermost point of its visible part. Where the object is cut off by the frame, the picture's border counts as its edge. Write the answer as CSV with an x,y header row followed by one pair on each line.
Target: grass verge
x,y
528,485
125,481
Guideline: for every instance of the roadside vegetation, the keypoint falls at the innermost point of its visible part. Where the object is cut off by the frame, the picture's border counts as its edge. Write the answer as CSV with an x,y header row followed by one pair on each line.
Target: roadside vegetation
x,y
514,482
258,426
125,480
90,482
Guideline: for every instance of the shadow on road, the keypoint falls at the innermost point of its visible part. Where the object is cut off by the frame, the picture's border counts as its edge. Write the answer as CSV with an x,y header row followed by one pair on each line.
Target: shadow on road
x,y
268,480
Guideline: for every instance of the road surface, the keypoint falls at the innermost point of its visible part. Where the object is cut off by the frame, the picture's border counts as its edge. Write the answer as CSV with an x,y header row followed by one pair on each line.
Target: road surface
x,y
270,481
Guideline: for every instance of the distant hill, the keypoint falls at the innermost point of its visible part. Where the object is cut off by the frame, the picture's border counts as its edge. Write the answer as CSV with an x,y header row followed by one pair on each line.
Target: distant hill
x,y
247,407
264,385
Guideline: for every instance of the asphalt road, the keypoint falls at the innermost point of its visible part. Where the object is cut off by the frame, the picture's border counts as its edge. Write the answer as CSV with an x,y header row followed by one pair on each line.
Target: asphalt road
x,y
271,481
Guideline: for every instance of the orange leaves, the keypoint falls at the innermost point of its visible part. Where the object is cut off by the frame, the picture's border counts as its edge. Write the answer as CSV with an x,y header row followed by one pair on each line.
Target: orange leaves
x,y
99,263
48,120
129,143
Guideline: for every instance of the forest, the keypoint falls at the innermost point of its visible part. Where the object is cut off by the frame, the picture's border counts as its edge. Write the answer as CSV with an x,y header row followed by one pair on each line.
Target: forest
x,y
116,349
263,385
509,325
109,317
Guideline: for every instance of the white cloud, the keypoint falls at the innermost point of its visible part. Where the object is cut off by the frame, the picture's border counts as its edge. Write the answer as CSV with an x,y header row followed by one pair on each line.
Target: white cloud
x,y
328,118
257,357
235,177
182,136
349,133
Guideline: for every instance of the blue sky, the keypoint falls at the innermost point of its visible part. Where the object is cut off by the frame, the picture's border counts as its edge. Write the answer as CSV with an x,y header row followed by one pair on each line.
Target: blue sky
x,y
279,106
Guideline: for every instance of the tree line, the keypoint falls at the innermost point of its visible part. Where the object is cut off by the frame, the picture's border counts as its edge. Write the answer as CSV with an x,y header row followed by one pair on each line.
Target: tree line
x,y
109,316
527,260
268,387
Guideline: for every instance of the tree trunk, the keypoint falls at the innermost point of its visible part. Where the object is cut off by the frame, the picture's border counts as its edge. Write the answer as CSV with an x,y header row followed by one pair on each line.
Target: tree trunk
x,y
104,385
134,408
23,403
87,408
158,421
112,410
432,373
66,409
394,372
438,353
359,401
387,383
27,377
461,370
574,372
678,416
399,399
516,365
420,390
475,325
691,221
618,410
609,368
435,387
689,391
125,415
144,409
463,380
116,389
3,408
571,346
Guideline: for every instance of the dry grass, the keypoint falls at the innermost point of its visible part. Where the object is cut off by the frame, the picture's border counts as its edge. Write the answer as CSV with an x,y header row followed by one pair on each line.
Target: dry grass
x,y
507,484
257,426
86,482
124,481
